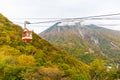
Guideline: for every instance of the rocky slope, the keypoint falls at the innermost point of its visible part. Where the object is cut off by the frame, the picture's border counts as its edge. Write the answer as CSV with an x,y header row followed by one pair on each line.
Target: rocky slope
x,y
86,42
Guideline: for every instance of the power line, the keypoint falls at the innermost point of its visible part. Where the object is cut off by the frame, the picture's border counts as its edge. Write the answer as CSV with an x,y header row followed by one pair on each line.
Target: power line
x,y
108,24
73,18
98,17
46,22
104,19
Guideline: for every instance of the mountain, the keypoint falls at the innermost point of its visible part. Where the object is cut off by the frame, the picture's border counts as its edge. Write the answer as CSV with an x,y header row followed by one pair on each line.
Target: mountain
x,y
36,60
40,60
85,42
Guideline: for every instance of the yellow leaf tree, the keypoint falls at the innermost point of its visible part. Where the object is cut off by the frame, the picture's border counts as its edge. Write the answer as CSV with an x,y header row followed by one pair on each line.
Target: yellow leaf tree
x,y
26,60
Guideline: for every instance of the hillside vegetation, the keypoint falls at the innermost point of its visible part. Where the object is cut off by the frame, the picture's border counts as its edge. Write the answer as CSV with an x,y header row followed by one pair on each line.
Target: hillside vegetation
x,y
39,60
36,60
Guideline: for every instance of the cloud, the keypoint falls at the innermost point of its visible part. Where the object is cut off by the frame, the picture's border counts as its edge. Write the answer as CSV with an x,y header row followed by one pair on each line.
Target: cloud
x,y
58,8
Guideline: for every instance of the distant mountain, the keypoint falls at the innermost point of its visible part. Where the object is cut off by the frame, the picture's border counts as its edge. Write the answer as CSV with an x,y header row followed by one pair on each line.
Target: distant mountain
x,y
36,60
86,42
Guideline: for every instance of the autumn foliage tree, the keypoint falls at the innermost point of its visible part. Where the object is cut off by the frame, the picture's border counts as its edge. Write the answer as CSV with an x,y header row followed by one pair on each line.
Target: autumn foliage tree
x,y
26,60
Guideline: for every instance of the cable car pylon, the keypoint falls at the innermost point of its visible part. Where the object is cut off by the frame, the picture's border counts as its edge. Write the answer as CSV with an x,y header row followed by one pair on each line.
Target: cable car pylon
x,y
27,34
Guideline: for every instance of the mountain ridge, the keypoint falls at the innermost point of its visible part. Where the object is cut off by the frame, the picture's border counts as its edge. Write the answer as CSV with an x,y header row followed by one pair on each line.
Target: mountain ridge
x,y
40,60
84,38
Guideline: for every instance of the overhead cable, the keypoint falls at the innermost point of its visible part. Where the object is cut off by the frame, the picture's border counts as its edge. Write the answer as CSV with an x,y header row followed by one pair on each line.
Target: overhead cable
x,y
98,17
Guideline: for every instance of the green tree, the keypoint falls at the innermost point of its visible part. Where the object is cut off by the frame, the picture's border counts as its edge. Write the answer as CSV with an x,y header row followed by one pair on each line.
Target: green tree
x,y
98,70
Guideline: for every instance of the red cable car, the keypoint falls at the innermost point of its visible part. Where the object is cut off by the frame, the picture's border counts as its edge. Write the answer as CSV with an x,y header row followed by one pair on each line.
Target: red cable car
x,y
27,35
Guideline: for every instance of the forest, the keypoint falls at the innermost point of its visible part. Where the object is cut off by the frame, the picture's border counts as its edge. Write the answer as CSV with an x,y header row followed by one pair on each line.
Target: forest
x,y
40,60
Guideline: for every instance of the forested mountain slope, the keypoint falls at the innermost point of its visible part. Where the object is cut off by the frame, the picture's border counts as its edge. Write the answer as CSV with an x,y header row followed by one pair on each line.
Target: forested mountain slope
x,y
36,60
86,42
39,60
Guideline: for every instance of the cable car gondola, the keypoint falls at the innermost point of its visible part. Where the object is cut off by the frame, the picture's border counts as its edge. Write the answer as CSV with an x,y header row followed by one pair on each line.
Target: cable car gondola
x,y
27,34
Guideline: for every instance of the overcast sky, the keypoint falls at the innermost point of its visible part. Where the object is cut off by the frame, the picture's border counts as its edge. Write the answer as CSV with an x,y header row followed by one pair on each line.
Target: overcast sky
x,y
58,8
